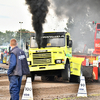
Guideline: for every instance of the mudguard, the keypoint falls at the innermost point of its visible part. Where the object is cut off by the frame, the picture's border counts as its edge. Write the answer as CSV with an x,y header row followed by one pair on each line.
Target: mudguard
x,y
75,65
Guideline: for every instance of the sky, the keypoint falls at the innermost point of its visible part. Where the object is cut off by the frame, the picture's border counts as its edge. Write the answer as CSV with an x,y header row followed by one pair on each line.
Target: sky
x,y
14,11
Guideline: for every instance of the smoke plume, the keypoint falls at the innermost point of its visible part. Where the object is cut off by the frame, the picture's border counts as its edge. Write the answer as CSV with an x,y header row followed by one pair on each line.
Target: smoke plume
x,y
38,9
81,13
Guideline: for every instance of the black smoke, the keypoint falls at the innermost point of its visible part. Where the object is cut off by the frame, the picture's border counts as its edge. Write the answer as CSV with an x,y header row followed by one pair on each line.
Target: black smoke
x,y
81,13
39,10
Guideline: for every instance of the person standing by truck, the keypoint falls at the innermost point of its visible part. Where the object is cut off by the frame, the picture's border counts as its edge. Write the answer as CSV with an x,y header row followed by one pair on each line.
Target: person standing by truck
x,y
17,68
1,56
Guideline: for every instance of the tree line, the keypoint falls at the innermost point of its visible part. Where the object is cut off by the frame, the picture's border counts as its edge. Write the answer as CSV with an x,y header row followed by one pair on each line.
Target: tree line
x,y
6,36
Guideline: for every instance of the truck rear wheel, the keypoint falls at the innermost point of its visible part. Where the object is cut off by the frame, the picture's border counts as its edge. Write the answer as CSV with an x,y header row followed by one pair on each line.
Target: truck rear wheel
x,y
66,72
75,79
98,74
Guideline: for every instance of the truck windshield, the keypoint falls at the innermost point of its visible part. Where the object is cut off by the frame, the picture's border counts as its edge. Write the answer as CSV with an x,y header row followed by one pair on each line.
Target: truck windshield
x,y
49,41
98,35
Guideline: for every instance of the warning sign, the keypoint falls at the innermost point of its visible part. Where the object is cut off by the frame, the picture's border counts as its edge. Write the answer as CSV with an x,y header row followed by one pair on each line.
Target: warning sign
x,y
28,93
82,92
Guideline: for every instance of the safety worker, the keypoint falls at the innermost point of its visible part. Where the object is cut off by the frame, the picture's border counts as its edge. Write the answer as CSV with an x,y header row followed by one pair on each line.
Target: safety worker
x,y
17,68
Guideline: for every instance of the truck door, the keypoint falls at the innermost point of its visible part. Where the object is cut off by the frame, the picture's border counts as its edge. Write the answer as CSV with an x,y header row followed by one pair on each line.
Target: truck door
x,y
68,46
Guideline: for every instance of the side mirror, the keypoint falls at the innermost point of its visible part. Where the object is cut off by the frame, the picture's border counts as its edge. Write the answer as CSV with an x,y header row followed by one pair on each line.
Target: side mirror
x,y
27,45
70,43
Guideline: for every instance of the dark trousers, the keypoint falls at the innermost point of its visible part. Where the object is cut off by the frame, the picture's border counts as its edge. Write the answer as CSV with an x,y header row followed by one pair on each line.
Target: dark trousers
x,y
15,84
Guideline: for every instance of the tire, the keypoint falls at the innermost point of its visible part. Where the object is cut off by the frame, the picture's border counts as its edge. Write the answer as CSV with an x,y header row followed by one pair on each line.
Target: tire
x,y
32,75
75,79
51,78
43,78
98,74
47,78
78,79
66,72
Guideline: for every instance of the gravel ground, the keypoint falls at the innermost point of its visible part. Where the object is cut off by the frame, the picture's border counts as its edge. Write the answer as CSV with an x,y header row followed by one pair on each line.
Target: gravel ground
x,y
51,90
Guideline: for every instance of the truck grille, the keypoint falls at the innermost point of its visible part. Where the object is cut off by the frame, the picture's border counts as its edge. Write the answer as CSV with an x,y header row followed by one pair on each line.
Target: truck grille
x,y
42,61
42,58
42,55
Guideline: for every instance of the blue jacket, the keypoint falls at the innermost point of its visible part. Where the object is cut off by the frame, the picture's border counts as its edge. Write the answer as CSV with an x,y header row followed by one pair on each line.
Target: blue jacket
x,y
20,66
12,64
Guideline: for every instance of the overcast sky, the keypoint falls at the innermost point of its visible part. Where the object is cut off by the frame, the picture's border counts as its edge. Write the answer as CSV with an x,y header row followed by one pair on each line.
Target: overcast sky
x,y
14,11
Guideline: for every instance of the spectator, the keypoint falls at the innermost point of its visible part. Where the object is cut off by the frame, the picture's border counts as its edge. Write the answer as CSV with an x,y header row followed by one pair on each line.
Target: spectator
x,y
1,57
17,68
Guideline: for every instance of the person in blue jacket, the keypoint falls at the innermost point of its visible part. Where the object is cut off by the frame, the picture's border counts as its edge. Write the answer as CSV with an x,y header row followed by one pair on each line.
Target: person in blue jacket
x,y
18,67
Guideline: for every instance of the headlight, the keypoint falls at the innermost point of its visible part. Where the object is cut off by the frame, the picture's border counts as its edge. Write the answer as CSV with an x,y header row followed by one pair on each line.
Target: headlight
x,y
59,61
29,62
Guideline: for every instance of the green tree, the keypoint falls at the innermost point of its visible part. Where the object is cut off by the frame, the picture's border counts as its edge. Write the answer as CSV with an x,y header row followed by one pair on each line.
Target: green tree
x,y
25,36
9,35
2,38
5,37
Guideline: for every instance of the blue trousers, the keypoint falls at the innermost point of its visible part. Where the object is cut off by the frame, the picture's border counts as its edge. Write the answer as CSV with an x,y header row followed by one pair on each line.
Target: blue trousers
x,y
15,84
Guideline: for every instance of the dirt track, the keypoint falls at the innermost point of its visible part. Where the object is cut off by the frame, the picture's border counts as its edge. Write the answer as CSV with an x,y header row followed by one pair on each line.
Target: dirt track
x,y
51,90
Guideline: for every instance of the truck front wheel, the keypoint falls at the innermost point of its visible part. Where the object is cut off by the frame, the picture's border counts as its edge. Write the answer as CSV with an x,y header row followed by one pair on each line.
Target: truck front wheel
x,y
66,72
32,75
47,78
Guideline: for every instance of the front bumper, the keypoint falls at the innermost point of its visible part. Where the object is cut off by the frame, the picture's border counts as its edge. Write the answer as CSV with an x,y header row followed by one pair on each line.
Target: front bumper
x,y
48,67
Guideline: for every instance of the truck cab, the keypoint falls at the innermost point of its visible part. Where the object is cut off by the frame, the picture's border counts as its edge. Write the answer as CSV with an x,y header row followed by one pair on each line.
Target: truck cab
x,y
54,58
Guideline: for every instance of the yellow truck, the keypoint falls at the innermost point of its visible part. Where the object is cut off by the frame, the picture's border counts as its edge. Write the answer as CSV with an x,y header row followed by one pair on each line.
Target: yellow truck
x,y
54,58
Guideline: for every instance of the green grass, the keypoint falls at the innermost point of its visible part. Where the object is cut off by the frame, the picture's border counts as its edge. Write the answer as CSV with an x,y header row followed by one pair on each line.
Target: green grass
x,y
72,98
